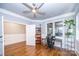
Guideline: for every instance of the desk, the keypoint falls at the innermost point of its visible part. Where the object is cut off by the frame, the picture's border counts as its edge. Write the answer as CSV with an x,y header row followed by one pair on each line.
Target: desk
x,y
44,41
59,40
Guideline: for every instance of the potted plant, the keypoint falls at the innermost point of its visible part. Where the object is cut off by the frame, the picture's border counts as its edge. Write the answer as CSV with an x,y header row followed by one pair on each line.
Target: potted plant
x,y
70,26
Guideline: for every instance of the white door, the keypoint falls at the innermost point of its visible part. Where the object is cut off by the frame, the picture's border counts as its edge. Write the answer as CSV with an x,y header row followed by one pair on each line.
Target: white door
x,y
30,35
1,41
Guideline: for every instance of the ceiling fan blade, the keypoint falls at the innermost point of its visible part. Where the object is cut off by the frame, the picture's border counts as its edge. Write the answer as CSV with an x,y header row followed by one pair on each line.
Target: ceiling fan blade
x,y
41,13
25,4
40,5
33,4
26,11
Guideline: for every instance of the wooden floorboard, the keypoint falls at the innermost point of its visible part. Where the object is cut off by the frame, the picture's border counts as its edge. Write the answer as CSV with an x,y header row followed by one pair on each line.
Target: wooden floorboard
x,y
21,49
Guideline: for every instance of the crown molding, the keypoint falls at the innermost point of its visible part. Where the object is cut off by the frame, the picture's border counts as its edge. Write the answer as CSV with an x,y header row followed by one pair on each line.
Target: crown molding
x,y
59,17
4,11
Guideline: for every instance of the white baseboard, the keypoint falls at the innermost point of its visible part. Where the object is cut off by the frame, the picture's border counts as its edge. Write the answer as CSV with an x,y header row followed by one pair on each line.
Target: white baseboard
x,y
13,38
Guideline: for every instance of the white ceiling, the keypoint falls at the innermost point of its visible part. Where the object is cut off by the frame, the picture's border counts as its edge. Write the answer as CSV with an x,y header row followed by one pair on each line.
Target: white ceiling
x,y
50,9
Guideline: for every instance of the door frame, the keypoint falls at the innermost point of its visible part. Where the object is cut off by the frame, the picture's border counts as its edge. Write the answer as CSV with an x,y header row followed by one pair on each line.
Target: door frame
x,y
2,36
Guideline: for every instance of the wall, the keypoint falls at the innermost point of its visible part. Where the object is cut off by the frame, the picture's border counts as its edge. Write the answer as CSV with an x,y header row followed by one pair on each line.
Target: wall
x,y
1,39
14,33
77,34
13,28
30,35
43,30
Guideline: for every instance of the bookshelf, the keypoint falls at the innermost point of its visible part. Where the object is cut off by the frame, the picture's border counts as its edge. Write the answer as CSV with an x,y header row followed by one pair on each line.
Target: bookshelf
x,y
38,34
70,35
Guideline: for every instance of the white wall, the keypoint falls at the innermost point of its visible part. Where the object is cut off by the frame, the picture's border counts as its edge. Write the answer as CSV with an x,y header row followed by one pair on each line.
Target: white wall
x,y
13,38
1,39
30,35
77,35
43,30
77,26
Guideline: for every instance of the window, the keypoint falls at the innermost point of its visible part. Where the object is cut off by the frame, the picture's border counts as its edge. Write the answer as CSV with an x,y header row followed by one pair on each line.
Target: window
x,y
49,28
59,28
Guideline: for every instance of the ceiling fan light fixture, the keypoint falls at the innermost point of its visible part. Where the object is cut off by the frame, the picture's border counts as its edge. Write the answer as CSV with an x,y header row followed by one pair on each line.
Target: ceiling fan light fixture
x,y
34,11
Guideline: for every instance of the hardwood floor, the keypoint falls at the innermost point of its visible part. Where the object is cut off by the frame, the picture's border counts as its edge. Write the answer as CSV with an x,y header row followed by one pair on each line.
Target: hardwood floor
x,y
21,49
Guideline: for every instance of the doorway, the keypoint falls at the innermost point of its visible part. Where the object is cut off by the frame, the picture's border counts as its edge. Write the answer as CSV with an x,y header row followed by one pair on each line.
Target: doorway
x,y
14,33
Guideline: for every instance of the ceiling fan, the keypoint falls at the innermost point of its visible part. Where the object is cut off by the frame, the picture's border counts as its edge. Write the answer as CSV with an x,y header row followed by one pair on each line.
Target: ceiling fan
x,y
34,9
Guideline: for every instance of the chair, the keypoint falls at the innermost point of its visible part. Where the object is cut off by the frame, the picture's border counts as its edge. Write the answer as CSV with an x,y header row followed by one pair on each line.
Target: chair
x,y
50,41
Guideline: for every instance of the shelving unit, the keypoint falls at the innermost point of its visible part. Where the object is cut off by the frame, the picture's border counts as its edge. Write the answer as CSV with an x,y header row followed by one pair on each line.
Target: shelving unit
x,y
70,41
38,34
